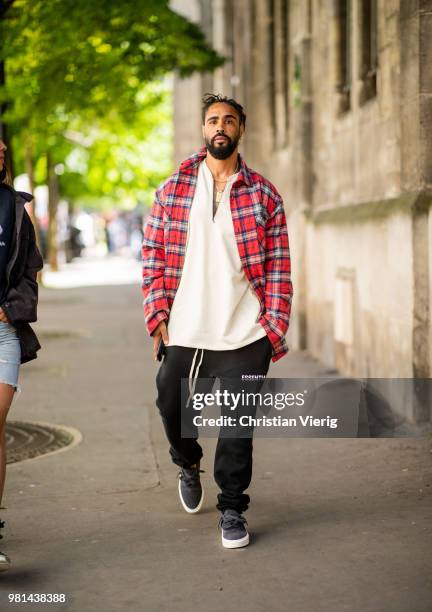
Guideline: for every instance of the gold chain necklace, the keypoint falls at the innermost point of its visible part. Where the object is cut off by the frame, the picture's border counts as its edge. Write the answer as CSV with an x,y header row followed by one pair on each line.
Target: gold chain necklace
x,y
217,194
225,181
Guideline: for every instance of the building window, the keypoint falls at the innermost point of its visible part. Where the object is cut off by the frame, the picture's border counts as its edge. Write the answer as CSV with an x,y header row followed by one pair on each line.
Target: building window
x,y
279,63
343,52
368,49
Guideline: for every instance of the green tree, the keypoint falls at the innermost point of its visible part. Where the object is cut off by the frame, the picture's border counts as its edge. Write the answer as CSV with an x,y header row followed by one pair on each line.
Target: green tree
x,y
112,164
86,62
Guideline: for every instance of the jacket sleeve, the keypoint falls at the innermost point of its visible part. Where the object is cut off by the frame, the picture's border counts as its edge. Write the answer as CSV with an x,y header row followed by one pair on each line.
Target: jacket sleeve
x,y
278,286
20,304
153,266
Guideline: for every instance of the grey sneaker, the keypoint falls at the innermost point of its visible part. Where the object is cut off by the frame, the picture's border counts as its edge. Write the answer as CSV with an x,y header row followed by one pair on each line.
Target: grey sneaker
x,y
234,532
190,489
4,559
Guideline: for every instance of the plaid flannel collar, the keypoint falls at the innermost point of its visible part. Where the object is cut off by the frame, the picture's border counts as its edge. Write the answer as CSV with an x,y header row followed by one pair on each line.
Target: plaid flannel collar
x,y
192,162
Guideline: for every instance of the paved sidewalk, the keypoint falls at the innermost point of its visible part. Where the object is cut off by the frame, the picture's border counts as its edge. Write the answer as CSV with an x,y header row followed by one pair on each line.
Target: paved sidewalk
x,y
338,525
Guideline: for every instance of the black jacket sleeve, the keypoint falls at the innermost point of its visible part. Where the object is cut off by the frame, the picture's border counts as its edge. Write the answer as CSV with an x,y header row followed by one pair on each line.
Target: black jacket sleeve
x,y
20,304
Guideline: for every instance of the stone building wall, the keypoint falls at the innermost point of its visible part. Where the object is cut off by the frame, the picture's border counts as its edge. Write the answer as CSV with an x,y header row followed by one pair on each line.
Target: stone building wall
x,y
187,104
349,149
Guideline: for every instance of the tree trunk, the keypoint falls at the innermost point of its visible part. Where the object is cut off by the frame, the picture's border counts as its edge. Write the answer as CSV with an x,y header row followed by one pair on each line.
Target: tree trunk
x,y
3,128
29,167
53,199
4,7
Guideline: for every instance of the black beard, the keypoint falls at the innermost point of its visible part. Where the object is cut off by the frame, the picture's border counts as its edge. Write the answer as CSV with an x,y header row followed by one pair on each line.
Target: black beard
x,y
222,151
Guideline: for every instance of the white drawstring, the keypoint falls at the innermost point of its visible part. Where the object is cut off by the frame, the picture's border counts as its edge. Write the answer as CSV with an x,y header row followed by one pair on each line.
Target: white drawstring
x,y
193,376
191,370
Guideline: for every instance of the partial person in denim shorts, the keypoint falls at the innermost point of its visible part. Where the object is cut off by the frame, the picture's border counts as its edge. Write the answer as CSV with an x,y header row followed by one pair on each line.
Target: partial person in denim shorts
x,y
20,262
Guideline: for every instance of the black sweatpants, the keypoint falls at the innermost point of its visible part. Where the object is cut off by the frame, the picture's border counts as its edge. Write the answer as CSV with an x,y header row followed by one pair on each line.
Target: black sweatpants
x,y
233,459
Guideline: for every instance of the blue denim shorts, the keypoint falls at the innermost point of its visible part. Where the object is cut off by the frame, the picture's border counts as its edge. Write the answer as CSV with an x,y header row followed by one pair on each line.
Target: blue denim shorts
x,y
10,355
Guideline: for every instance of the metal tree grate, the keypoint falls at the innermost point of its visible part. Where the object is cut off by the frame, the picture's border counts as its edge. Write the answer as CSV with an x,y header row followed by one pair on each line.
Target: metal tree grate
x,y
28,440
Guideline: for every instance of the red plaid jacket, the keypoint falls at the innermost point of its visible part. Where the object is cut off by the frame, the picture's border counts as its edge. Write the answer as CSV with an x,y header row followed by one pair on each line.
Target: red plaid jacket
x,y
262,240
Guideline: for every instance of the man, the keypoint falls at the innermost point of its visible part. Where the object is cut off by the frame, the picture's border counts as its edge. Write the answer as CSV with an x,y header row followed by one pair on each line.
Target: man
x,y
217,296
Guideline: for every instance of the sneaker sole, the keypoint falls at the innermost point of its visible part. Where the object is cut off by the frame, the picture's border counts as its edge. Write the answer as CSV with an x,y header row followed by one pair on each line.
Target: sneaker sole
x,y
185,507
4,566
235,543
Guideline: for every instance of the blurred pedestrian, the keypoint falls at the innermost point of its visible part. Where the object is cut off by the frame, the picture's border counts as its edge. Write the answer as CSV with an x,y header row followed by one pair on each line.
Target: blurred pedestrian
x,y
117,232
20,261
136,237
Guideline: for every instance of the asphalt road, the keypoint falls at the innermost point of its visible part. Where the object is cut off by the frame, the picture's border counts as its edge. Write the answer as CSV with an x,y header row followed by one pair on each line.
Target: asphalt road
x,y
337,525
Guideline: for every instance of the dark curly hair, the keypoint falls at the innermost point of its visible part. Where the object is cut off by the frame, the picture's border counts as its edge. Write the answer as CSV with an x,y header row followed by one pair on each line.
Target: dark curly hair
x,y
209,99
5,177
